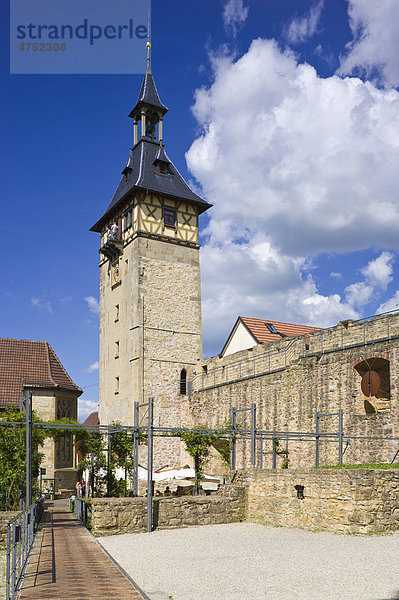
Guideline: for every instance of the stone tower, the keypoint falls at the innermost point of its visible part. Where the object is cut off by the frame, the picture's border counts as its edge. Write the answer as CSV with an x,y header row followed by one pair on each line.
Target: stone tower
x,y
150,294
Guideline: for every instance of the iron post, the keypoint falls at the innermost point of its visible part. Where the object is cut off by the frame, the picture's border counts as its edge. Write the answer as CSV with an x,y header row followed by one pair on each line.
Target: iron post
x,y
340,435
136,451
261,452
8,566
108,464
28,412
317,439
92,475
274,455
233,439
253,434
149,464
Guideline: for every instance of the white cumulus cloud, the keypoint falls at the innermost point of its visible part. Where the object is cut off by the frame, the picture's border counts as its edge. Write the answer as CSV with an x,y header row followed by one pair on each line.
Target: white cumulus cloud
x,y
359,293
377,275
42,304
303,28
390,304
93,305
373,51
295,165
93,367
379,271
86,407
234,15
310,161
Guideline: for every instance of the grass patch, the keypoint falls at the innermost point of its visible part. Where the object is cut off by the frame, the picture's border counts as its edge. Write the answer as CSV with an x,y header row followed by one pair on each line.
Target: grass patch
x,y
362,466
2,571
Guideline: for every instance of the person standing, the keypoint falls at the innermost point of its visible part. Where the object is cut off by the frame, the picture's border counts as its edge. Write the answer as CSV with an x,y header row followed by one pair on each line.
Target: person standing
x,y
114,231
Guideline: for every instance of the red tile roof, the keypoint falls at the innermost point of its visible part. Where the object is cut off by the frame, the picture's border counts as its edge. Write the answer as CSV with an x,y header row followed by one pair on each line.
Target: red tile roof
x,y
92,419
30,363
262,334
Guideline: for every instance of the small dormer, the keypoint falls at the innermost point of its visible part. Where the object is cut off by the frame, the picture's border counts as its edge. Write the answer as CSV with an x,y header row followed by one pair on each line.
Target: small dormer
x,y
129,166
162,162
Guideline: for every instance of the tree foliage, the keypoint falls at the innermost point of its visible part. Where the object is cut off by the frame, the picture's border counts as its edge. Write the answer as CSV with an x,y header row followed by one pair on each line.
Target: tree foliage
x,y
102,455
13,453
13,457
198,445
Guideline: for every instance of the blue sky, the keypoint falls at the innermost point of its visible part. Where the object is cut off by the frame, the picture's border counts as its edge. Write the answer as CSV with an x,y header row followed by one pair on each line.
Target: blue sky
x,y
284,115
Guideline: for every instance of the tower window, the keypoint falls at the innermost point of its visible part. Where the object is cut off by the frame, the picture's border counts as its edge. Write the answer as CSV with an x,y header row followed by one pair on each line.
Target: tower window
x,y
183,381
169,217
162,167
116,385
116,349
128,219
116,312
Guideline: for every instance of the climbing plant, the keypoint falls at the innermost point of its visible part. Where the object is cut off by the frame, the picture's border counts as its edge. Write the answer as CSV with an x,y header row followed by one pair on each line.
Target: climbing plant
x,y
198,446
13,457
285,453
102,455
13,453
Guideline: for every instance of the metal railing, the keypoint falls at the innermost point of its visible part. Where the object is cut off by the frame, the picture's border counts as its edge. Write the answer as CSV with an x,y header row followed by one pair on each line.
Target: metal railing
x,y
81,510
21,532
345,335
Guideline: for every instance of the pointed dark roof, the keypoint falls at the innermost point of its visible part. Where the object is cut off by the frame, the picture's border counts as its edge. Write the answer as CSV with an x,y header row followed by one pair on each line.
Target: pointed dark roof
x,y
148,96
142,174
28,363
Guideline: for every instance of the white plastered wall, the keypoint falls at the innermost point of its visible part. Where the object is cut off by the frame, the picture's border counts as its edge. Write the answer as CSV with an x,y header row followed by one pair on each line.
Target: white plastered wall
x,y
240,340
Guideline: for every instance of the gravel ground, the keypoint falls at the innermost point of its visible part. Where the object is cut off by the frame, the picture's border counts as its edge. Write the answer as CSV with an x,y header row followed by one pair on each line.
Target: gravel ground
x,y
244,561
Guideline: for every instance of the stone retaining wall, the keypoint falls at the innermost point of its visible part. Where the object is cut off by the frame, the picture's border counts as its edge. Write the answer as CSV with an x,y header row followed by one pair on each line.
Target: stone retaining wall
x,y
342,500
5,517
129,515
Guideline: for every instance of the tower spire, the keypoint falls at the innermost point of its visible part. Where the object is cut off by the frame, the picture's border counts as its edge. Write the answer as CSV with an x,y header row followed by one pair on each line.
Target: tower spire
x,y
149,110
148,69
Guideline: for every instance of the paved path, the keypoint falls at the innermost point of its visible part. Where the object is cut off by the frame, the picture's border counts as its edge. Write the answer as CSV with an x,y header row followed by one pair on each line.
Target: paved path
x,y
67,563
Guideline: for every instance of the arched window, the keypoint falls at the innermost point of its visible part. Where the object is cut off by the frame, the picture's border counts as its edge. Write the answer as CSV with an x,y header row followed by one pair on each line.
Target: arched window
x,y
183,381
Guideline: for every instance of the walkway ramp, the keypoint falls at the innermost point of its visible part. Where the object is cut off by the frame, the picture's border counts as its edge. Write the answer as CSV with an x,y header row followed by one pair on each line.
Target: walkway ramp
x,y
67,563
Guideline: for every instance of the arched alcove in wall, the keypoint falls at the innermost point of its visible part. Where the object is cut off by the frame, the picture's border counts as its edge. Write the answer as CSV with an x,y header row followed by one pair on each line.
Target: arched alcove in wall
x,y
374,381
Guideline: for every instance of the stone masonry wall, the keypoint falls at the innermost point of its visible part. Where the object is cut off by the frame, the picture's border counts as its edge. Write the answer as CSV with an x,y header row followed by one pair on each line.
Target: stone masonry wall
x,y
129,515
360,501
5,517
165,278
321,378
341,501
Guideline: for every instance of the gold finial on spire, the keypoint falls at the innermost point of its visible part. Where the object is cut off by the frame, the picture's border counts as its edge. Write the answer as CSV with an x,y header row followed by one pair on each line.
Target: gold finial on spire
x,y
148,44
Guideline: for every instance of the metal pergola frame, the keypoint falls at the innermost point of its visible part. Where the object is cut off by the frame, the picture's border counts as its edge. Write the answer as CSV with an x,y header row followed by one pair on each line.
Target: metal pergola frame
x,y
236,432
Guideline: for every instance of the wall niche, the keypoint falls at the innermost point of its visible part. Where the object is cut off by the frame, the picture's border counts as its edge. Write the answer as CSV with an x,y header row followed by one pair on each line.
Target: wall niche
x,y
374,381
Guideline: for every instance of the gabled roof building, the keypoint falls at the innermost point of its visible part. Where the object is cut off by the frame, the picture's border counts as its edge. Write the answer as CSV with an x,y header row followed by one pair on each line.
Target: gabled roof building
x,y
247,332
34,366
